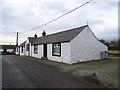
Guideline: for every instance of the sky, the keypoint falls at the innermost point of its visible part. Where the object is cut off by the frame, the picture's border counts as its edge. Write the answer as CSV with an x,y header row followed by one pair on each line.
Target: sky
x,y
24,15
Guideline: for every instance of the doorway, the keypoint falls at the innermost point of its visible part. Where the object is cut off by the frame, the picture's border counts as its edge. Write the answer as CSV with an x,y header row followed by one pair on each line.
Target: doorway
x,y
45,50
101,55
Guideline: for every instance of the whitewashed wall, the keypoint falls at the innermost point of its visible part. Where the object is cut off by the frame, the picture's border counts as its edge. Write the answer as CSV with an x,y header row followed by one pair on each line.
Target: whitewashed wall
x,y
22,53
85,47
40,52
30,50
1,50
28,53
65,53
17,52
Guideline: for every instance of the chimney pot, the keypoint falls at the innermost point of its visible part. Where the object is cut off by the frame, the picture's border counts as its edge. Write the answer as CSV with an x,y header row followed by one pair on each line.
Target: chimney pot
x,y
35,36
44,33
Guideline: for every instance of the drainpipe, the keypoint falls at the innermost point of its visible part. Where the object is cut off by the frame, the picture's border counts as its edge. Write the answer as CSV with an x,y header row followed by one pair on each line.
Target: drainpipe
x,y
31,49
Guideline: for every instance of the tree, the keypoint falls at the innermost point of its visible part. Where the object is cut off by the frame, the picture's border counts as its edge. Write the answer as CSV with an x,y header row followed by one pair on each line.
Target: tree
x,y
104,42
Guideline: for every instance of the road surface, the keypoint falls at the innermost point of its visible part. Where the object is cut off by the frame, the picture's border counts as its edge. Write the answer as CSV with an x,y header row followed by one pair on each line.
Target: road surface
x,y
19,72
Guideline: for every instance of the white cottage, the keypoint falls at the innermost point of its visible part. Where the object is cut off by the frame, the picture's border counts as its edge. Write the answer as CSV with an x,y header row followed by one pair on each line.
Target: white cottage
x,y
26,47
70,46
20,50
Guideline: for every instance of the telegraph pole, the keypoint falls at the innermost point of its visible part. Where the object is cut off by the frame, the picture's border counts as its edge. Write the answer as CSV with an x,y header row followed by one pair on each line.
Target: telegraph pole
x,y
17,39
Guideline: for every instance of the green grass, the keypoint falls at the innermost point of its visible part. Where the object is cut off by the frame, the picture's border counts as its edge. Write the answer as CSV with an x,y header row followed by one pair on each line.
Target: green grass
x,y
114,51
103,68
90,64
94,65
49,62
103,62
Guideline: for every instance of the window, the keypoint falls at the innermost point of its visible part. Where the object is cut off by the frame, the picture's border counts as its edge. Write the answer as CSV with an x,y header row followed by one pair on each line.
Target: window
x,y
27,47
56,49
35,49
22,49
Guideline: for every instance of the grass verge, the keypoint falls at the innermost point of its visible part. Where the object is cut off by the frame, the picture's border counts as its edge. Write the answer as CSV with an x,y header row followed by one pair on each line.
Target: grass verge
x,y
113,51
49,62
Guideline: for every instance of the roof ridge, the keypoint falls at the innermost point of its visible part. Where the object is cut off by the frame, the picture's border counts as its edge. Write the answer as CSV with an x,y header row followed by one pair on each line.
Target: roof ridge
x,y
67,30
62,36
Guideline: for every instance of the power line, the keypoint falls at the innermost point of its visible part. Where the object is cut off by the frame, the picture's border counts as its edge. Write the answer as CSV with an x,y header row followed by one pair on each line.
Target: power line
x,y
59,16
50,21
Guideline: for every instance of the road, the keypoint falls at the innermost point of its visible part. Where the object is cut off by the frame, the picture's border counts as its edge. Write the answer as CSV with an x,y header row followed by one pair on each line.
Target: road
x,y
19,72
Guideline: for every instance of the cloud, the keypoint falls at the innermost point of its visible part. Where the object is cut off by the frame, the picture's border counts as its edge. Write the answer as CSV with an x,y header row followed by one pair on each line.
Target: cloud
x,y
22,15
10,38
6,38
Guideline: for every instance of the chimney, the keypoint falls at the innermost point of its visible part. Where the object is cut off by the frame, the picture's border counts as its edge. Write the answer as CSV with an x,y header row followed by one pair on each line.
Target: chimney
x,y
43,34
35,36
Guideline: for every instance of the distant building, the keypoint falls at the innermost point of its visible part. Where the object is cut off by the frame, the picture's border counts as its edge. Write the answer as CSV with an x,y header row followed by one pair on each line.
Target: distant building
x,y
70,46
20,50
7,48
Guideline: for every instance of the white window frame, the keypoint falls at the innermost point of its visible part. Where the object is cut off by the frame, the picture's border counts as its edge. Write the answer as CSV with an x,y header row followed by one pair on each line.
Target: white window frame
x,y
56,49
27,47
35,49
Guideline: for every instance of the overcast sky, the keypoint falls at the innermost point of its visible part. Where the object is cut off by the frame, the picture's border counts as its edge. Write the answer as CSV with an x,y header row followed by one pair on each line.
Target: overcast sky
x,y
22,15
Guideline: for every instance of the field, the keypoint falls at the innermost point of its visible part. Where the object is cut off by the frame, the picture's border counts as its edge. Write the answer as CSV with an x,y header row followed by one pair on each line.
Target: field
x,y
114,51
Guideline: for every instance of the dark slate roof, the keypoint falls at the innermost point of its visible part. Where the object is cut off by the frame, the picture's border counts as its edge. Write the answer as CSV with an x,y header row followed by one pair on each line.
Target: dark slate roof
x,y
32,39
64,36
22,44
7,46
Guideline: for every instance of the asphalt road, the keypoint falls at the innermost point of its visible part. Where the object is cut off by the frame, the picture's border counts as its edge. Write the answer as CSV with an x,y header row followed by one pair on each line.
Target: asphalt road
x,y
22,73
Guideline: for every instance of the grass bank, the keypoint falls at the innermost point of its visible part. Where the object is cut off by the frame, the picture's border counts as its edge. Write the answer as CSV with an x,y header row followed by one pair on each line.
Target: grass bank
x,y
114,51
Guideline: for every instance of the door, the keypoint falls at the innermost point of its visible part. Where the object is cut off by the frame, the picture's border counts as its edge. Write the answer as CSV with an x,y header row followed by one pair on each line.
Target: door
x,y
4,50
101,55
28,49
45,50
